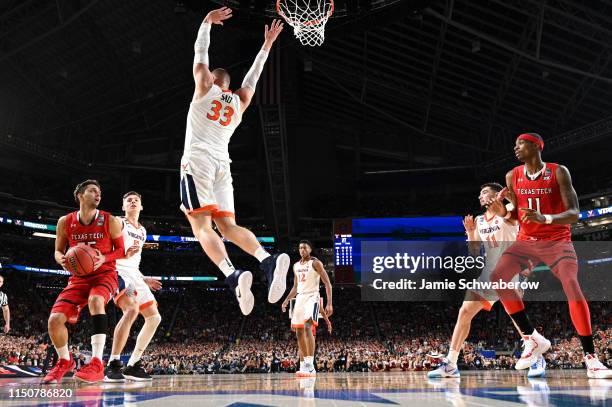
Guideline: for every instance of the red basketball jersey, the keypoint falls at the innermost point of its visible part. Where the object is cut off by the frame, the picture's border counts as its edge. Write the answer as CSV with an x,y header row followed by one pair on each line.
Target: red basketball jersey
x,y
543,195
96,234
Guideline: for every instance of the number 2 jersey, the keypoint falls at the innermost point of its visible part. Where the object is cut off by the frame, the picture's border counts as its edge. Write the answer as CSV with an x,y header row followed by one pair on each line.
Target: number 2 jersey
x,y
211,121
542,193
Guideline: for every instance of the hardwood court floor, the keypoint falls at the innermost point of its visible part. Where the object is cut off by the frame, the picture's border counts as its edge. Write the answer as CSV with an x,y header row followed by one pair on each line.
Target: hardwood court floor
x,y
475,388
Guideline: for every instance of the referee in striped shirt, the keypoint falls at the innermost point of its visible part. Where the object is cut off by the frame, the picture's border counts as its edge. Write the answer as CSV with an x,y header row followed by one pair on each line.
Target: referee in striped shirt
x,y
5,308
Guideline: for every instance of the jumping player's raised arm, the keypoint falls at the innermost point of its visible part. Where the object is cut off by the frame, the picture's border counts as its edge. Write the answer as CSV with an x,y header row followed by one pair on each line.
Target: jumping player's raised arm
x,y
61,241
318,266
201,72
246,92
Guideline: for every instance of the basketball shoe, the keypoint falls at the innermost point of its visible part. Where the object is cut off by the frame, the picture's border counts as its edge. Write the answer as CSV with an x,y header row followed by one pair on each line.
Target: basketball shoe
x,y
446,369
538,369
275,267
534,346
56,374
113,373
92,372
240,283
306,370
596,369
136,373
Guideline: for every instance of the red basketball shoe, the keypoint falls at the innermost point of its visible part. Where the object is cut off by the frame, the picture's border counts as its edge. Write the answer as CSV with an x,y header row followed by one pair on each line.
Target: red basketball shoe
x,y
92,372
56,374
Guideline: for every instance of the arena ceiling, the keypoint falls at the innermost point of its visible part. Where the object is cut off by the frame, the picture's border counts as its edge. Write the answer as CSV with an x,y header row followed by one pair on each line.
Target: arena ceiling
x,y
424,86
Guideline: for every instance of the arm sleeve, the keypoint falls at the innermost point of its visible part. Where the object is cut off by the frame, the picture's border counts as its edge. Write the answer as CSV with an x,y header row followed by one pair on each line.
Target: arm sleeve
x,y
200,47
118,251
251,78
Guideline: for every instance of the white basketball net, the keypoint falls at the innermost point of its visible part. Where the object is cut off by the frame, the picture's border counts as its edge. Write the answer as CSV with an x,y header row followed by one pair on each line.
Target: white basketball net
x,y
307,17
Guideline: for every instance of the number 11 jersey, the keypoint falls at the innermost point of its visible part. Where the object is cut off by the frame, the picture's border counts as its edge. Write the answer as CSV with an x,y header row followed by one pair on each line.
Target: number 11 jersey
x,y
541,192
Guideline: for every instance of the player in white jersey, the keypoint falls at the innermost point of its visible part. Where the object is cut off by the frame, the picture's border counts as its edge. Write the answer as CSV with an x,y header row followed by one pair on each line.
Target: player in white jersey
x,y
307,273
496,234
134,298
207,193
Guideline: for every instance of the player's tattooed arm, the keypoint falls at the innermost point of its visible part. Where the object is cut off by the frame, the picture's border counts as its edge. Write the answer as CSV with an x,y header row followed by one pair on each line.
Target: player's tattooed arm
x,y
291,294
318,266
61,241
568,196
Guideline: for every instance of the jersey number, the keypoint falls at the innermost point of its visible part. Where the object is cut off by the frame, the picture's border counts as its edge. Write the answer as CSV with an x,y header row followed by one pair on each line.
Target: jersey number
x,y
537,202
302,278
216,113
492,241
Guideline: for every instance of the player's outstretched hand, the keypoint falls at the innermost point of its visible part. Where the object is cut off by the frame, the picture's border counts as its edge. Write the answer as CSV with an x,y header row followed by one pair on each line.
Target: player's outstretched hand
x,y
153,283
7,328
218,16
469,224
99,260
271,33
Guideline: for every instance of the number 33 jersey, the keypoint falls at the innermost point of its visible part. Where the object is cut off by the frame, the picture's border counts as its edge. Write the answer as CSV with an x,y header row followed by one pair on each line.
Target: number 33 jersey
x,y
211,121
540,192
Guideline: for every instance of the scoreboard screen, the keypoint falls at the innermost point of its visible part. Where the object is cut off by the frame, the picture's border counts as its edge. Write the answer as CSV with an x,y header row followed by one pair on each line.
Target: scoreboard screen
x,y
349,233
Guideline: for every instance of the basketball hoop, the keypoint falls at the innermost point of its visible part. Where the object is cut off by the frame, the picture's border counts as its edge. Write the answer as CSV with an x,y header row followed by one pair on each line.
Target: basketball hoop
x,y
307,17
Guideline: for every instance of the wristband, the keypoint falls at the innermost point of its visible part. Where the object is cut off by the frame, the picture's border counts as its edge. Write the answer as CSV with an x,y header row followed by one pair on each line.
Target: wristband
x,y
549,219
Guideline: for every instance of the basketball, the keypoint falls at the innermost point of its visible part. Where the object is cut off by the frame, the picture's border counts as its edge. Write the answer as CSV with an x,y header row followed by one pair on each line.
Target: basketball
x,y
80,260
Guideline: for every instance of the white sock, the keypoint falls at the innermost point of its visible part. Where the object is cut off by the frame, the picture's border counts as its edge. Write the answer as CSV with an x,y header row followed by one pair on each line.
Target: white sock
x,y
144,337
261,254
114,357
308,360
97,345
226,267
452,357
63,352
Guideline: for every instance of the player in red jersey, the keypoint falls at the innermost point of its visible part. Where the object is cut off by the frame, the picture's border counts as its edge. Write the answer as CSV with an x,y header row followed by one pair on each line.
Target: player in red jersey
x,y
545,205
102,231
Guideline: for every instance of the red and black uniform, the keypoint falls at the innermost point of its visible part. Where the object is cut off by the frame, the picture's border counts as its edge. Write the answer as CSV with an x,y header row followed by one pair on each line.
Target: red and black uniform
x,y
542,243
543,195
102,281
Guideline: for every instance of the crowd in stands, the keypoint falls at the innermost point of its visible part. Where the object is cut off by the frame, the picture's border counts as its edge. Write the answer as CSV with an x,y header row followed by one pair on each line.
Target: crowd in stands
x,y
203,332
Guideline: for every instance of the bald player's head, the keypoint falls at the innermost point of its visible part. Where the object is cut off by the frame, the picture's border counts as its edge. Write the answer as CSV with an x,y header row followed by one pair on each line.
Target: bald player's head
x,y
222,78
